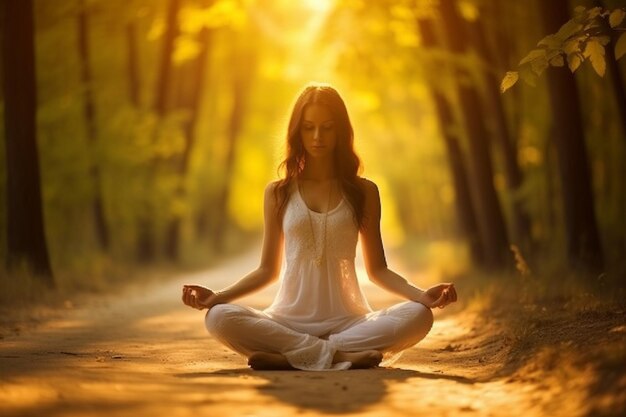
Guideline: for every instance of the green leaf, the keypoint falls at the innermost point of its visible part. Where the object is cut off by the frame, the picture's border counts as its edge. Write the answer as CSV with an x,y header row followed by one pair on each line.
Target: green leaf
x,y
620,46
599,64
594,12
557,61
528,75
532,55
568,29
616,17
551,53
573,61
539,65
572,46
509,80
550,41
595,51
593,48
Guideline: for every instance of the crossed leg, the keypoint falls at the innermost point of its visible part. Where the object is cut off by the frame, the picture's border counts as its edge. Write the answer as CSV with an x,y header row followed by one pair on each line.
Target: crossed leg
x,y
270,345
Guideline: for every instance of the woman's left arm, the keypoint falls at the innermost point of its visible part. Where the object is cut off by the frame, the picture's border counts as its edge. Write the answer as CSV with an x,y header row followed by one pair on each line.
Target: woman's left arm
x,y
376,265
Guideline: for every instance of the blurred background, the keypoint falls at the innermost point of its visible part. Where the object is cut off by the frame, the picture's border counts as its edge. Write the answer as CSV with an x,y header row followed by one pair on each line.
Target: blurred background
x,y
159,123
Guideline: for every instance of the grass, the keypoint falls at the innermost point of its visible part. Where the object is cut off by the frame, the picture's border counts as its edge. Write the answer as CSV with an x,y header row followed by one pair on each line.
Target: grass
x,y
25,300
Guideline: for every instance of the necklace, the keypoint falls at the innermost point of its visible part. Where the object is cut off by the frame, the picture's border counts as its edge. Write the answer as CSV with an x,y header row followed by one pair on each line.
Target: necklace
x,y
319,254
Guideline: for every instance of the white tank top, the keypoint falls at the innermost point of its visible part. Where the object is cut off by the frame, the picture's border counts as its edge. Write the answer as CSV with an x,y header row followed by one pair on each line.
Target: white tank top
x,y
318,298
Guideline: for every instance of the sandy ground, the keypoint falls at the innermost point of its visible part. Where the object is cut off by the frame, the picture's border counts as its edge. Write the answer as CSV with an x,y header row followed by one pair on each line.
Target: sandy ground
x,y
145,354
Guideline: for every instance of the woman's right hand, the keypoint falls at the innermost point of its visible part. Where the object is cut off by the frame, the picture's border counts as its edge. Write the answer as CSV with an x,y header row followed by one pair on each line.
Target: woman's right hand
x,y
439,295
199,297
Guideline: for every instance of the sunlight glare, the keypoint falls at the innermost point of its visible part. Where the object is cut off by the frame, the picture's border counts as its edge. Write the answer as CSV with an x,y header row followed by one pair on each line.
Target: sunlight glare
x,y
319,6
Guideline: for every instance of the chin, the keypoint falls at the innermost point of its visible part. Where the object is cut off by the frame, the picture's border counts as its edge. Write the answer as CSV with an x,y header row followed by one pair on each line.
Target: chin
x,y
320,152
319,155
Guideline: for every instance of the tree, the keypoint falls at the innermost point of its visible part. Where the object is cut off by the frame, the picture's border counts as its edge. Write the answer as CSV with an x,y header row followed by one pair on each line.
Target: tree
x,y
243,67
582,238
611,59
102,231
189,99
507,146
487,206
464,208
26,241
146,250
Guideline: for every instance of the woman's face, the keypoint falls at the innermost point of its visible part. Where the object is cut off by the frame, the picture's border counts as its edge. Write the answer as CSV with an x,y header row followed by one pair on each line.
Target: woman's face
x,y
317,131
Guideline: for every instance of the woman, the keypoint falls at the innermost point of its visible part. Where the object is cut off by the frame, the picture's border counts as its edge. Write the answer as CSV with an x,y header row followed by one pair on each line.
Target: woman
x,y
319,319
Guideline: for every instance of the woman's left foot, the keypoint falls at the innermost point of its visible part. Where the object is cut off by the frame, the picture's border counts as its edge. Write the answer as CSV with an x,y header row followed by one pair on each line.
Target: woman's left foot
x,y
360,360
263,361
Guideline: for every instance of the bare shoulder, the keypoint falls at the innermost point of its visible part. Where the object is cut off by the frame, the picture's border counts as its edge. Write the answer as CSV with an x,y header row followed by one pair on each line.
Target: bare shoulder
x,y
369,187
274,195
270,188
372,209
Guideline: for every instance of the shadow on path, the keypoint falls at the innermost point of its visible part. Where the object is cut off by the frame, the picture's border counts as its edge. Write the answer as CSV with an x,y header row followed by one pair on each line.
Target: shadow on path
x,y
343,391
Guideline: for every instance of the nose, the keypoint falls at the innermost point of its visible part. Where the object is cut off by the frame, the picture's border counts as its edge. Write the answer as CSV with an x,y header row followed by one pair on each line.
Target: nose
x,y
316,133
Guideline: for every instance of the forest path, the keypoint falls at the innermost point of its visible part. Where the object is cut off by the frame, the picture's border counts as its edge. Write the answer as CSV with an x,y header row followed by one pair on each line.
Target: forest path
x,y
145,354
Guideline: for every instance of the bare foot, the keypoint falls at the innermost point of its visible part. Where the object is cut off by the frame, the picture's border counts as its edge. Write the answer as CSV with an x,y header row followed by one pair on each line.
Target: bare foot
x,y
360,360
263,361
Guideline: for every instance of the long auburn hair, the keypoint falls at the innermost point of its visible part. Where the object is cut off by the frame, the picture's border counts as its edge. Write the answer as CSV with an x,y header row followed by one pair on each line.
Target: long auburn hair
x,y
347,163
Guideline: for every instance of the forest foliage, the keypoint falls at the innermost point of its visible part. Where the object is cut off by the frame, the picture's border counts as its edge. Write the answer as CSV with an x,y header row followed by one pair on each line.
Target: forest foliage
x,y
585,36
159,123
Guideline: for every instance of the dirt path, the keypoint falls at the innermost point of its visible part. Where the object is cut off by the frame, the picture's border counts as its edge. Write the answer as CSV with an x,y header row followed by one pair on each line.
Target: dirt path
x,y
145,354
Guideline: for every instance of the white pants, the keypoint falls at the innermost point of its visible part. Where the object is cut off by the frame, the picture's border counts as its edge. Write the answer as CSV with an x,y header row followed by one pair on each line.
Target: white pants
x,y
390,331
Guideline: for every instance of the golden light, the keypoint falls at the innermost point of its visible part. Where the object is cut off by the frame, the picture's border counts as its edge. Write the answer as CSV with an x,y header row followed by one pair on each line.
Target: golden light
x,y
319,6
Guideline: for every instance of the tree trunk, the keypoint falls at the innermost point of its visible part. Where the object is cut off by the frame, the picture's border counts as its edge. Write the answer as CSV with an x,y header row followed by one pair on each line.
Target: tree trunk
x,y
145,237
613,69
172,243
133,64
101,228
489,213
508,148
240,89
234,127
146,242
463,202
26,243
581,231
165,67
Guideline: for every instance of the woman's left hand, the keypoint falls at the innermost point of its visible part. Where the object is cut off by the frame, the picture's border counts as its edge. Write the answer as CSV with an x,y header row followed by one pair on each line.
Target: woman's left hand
x,y
439,295
198,297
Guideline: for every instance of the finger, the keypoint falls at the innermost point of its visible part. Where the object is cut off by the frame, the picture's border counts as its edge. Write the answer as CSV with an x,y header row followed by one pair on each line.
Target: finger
x,y
440,301
453,294
191,287
194,299
189,298
197,302
445,299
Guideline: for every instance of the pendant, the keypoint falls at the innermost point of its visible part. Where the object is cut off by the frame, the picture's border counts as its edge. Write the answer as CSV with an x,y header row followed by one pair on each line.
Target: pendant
x,y
318,261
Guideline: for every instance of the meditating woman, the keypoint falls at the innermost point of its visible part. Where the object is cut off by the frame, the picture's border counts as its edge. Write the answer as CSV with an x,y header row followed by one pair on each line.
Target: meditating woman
x,y
320,319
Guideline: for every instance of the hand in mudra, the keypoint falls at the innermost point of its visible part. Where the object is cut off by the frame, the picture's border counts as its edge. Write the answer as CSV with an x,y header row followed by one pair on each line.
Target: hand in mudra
x,y
198,297
439,295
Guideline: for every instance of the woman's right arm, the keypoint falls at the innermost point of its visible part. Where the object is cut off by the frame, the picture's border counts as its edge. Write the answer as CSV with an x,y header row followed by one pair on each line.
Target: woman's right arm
x,y
267,272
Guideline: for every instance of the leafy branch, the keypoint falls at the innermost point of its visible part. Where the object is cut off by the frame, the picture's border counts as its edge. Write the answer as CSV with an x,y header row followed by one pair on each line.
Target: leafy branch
x,y
583,37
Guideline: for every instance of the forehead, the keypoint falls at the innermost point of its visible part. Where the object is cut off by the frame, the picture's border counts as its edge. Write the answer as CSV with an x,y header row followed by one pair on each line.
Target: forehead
x,y
316,113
